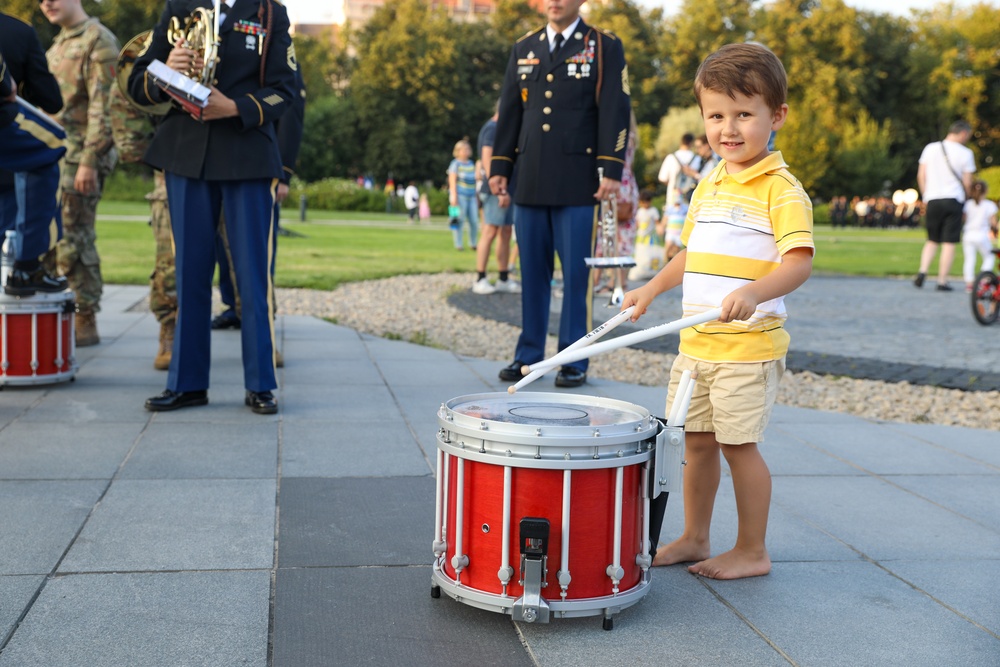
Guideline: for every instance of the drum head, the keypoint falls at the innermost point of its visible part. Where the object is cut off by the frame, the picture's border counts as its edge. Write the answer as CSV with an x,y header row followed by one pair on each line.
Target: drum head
x,y
534,410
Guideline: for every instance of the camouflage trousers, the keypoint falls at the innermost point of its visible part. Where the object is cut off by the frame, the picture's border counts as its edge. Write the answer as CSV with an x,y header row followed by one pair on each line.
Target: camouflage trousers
x,y
75,255
162,282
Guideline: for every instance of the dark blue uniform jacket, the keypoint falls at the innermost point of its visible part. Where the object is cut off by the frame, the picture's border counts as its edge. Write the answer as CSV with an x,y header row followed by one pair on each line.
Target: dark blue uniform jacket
x,y
239,148
563,116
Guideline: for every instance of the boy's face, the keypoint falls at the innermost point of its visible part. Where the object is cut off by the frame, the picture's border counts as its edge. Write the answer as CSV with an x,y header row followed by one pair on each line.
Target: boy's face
x,y
738,129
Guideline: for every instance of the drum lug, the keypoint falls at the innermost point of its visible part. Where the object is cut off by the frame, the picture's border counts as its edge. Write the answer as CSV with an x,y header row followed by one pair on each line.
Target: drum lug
x,y
439,547
531,607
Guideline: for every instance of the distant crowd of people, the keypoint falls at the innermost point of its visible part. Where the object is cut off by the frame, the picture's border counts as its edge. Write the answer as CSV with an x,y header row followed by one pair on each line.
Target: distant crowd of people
x,y
876,212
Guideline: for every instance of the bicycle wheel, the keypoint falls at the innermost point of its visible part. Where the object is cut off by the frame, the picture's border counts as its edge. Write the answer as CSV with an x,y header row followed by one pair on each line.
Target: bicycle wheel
x,y
986,298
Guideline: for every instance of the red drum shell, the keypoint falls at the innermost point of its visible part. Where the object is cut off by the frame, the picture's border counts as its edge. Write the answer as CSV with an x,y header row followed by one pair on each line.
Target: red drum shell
x,y
33,327
541,438
538,493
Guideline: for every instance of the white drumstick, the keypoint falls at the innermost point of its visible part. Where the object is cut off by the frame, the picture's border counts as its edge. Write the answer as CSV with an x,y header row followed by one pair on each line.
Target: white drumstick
x,y
678,398
682,413
531,376
624,341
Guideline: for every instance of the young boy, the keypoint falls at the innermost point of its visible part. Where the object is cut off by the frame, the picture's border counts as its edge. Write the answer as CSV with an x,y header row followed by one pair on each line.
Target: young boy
x,y
647,220
749,242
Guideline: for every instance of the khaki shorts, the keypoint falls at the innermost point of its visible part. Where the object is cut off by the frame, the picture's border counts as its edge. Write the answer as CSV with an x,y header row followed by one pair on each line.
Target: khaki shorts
x,y
733,401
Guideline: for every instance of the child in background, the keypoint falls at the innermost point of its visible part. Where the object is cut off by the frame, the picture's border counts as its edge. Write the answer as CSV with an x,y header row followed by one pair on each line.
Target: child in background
x,y
748,238
979,224
647,221
462,192
674,217
424,208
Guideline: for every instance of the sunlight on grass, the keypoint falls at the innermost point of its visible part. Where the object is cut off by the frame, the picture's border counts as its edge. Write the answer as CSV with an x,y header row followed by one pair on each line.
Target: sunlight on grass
x,y
346,247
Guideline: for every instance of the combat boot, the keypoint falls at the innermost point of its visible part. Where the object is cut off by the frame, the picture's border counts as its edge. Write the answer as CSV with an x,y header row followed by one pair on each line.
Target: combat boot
x,y
162,360
86,329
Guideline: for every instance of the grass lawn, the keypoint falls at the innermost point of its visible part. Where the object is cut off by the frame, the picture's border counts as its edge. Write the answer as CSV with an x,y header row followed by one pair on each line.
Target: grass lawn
x,y
335,247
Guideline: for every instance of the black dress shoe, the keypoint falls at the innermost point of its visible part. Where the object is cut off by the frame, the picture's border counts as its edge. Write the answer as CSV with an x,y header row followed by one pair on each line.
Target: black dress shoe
x,y
26,283
511,373
570,377
262,402
226,320
175,400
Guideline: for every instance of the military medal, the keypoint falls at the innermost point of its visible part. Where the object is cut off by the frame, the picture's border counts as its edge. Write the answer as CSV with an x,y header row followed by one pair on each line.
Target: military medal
x,y
254,32
527,65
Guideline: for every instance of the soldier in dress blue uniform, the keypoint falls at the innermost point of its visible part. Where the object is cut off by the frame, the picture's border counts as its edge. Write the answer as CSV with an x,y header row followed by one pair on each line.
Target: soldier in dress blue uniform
x,y
227,161
289,127
30,147
38,221
564,112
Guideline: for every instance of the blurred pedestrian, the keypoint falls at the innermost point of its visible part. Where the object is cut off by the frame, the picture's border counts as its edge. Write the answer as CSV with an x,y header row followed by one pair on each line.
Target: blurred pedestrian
x,y
498,220
945,180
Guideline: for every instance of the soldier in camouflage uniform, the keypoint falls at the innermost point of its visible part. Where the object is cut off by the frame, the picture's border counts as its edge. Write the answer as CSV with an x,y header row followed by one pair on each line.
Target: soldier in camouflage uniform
x,y
133,130
162,284
82,58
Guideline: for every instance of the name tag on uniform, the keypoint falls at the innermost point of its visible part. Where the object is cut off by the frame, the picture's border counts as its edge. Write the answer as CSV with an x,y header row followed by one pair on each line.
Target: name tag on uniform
x,y
527,65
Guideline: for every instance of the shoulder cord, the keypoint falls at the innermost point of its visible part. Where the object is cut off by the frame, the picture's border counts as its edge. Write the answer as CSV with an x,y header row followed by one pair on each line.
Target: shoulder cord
x,y
267,34
600,66
952,169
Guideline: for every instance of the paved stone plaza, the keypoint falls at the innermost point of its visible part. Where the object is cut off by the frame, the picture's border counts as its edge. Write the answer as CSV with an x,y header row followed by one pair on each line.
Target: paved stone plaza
x,y
215,537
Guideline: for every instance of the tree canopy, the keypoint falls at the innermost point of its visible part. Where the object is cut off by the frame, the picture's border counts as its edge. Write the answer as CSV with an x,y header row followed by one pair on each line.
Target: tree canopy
x,y
867,90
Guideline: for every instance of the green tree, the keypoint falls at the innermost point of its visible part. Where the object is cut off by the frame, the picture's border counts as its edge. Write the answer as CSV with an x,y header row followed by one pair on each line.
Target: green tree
x,y
696,30
641,34
330,146
325,70
513,19
965,78
863,161
421,83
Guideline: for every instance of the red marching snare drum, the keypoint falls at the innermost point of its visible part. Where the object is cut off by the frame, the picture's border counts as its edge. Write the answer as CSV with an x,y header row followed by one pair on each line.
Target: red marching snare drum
x,y
543,504
36,339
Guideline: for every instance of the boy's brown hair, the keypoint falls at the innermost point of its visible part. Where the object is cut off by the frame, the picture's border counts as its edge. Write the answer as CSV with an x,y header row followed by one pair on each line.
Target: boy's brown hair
x,y
747,68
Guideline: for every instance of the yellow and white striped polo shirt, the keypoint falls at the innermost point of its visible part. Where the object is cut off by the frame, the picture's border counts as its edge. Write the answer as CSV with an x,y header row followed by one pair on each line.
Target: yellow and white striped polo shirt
x,y
737,228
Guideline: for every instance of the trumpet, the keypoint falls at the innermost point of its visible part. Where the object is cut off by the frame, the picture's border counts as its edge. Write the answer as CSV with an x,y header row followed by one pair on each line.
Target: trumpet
x,y
607,243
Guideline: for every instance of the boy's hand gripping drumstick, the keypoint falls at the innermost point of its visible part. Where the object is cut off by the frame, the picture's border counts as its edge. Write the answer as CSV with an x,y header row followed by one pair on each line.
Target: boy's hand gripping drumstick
x,y
531,376
567,356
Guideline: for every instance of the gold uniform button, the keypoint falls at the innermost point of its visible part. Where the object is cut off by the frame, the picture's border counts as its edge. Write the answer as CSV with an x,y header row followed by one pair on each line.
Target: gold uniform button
x,y
546,127
523,77
579,76
547,110
550,77
589,151
548,94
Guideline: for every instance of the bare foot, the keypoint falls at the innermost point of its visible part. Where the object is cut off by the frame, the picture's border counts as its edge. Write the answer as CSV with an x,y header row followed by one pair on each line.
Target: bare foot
x,y
733,565
681,550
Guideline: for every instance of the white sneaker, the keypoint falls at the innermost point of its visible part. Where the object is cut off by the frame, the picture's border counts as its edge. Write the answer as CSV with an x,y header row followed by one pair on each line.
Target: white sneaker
x,y
510,286
483,286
